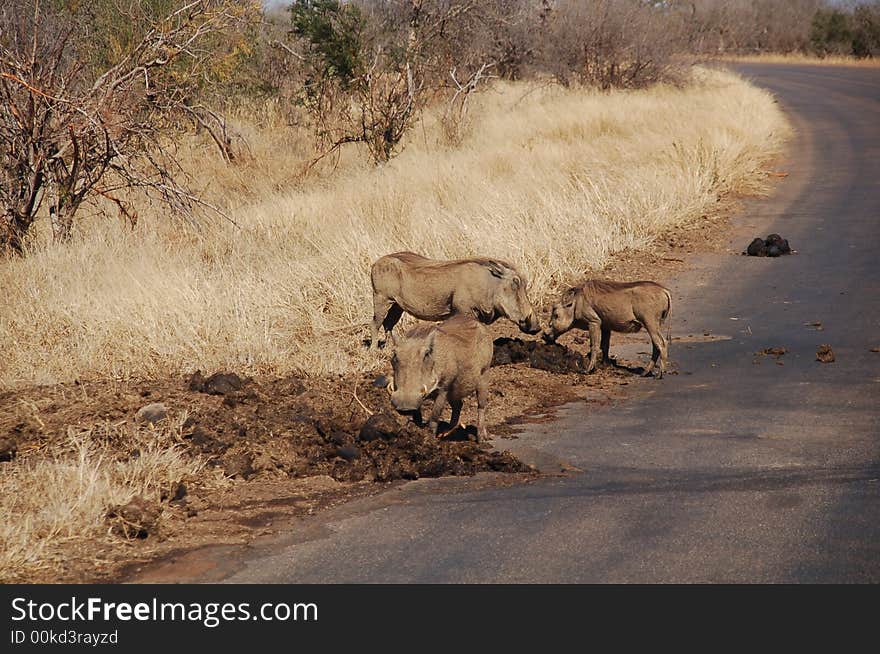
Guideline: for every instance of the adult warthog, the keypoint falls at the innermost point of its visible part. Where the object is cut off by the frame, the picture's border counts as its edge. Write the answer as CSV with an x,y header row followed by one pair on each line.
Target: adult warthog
x,y
604,306
487,289
451,360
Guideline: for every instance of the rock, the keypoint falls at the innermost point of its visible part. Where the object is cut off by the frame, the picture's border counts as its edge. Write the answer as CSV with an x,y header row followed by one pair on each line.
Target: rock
x,y
825,354
8,448
239,464
137,519
380,425
152,413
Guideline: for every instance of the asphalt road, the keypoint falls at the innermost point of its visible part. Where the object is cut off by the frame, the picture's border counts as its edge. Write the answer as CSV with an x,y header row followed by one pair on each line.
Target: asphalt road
x,y
731,471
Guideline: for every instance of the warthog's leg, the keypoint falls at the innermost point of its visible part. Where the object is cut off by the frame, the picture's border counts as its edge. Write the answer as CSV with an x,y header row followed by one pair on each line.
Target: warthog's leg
x,y
393,317
658,350
482,401
455,420
437,411
386,313
381,305
595,328
606,344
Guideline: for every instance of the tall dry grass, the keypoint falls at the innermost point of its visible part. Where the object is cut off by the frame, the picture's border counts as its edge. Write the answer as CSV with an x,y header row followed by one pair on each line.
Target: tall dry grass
x,y
57,500
554,180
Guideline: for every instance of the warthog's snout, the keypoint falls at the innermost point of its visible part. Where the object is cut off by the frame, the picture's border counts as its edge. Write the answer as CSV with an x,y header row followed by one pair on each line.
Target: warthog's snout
x,y
530,325
548,335
406,402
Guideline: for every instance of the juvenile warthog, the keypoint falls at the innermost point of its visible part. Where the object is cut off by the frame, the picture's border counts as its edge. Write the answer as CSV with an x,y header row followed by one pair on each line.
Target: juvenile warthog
x,y
604,306
451,359
435,290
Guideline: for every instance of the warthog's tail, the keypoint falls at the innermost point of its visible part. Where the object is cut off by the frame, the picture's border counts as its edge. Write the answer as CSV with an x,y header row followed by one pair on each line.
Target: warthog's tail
x,y
665,316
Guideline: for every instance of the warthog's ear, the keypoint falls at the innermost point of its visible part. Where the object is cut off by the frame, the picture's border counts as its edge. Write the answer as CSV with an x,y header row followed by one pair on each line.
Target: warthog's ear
x,y
429,346
495,269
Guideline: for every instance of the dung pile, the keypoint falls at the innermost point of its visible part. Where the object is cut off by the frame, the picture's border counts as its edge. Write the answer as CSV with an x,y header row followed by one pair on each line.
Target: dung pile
x,y
772,246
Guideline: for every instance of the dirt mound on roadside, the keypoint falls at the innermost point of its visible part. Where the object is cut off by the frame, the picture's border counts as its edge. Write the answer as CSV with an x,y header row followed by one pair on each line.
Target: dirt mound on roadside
x,y
302,428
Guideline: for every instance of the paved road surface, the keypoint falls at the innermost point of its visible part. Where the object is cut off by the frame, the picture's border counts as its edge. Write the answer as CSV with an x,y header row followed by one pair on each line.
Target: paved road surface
x,y
729,472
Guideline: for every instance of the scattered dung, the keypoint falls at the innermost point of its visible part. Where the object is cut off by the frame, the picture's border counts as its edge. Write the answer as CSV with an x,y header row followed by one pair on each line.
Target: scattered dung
x,y
380,425
137,519
825,354
556,358
179,492
348,452
239,464
300,431
771,352
220,383
8,448
551,357
772,246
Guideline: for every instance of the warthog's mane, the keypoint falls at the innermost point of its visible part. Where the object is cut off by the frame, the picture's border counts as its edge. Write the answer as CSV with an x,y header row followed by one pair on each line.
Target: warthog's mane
x,y
421,330
452,326
496,267
608,286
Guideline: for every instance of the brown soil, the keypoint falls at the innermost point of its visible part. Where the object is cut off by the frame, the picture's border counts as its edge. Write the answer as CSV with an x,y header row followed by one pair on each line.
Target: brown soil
x,y
295,446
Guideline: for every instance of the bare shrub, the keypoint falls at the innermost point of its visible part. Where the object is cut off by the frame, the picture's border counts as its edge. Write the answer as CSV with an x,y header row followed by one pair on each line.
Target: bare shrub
x,y
609,43
79,122
373,67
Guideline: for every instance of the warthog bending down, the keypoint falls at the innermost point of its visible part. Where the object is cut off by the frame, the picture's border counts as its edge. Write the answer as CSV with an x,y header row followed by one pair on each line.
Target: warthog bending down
x,y
451,359
435,290
604,306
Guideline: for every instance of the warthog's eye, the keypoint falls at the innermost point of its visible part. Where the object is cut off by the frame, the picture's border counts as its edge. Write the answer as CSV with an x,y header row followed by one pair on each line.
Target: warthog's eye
x,y
569,305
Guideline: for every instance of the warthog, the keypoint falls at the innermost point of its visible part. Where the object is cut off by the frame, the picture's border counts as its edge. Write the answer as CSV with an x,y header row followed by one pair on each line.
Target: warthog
x,y
605,306
450,359
435,290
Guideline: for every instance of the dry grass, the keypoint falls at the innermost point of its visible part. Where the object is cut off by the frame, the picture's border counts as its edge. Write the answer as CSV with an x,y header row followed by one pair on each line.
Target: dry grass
x,y
51,502
551,179
801,58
